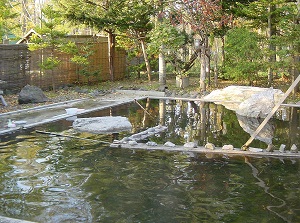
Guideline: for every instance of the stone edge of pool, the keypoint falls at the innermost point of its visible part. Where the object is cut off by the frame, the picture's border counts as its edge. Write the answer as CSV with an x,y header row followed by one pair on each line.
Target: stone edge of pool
x,y
12,220
217,150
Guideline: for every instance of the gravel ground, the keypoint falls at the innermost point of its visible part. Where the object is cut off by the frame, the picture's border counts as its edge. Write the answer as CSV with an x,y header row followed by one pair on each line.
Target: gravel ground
x,y
60,96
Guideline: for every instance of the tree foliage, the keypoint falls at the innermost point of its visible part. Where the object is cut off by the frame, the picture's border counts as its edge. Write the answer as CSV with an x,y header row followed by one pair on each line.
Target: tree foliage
x,y
243,55
6,17
51,39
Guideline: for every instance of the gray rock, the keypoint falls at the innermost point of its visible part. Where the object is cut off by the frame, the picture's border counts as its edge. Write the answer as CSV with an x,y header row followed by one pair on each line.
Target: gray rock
x,y
102,125
31,94
210,146
151,143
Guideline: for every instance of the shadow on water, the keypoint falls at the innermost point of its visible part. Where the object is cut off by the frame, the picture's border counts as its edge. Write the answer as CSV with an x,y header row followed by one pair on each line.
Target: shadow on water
x,y
48,178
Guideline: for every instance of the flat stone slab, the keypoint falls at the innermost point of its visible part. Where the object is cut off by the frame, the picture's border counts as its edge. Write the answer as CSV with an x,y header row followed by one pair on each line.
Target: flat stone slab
x,y
102,125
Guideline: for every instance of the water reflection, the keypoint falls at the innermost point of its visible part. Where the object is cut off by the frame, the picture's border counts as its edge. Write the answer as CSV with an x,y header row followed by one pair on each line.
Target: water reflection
x,y
65,180
205,122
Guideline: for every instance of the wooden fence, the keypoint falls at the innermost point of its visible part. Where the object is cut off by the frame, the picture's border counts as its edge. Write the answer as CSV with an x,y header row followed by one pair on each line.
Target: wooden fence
x,y
19,66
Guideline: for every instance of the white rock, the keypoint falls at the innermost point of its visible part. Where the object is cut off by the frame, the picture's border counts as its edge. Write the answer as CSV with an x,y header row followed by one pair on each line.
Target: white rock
x,y
294,149
169,144
190,145
228,147
210,146
282,148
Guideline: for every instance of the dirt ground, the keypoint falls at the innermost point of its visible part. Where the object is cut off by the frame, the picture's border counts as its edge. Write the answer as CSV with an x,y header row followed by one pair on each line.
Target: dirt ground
x,y
77,92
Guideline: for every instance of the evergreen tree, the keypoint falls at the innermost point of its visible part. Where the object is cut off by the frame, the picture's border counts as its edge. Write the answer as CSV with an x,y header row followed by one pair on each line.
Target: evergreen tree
x,y
52,40
243,55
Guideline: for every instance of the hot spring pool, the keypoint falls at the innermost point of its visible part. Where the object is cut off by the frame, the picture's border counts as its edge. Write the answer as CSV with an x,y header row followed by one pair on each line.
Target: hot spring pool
x,y
46,178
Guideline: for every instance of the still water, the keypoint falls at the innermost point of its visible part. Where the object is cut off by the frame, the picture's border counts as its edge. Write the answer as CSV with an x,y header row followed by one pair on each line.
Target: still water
x,y
44,178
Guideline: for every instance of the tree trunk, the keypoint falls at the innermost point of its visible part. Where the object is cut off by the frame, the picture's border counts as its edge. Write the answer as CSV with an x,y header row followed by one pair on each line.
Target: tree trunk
x,y
203,70
216,60
296,56
203,62
272,48
162,70
148,67
207,57
111,53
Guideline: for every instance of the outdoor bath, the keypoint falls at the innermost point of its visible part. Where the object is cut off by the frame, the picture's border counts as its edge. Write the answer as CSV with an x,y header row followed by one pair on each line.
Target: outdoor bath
x,y
57,178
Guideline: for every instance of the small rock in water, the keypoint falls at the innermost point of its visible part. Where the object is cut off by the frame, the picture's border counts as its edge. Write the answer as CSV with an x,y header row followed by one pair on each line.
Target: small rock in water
x,y
132,143
151,143
255,150
270,148
190,145
169,144
151,130
210,146
294,149
282,148
228,147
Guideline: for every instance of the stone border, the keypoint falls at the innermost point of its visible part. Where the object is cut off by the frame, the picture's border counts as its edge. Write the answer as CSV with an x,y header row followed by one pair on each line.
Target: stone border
x,y
217,150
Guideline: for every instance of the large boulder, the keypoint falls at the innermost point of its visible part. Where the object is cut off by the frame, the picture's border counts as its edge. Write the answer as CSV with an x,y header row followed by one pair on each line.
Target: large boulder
x,y
102,125
31,94
239,97
259,105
